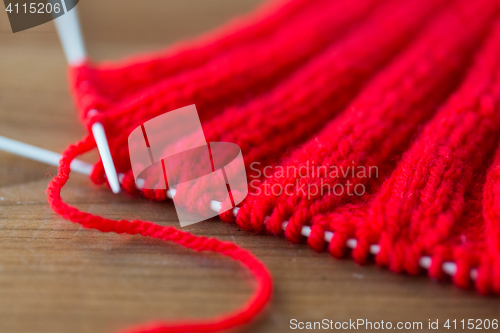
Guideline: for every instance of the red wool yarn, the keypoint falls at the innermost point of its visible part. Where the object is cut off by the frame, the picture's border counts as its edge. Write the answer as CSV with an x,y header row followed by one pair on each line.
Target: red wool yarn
x,y
411,87
242,316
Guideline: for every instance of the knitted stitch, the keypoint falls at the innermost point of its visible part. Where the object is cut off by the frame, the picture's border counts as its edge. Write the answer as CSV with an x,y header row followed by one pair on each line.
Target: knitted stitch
x,y
425,195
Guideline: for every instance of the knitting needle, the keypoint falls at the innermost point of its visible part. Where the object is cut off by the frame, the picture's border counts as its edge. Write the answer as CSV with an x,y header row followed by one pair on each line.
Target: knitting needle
x,y
71,37
107,159
49,157
40,154
69,31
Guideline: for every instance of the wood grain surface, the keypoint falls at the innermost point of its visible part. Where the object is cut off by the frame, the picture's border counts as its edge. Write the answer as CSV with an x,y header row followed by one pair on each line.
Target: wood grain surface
x,y
57,277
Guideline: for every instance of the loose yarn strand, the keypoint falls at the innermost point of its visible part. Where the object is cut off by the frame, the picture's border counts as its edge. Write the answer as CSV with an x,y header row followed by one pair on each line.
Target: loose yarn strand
x,y
249,311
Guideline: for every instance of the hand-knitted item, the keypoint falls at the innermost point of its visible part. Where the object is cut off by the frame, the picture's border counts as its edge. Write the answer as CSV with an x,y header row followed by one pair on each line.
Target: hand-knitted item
x,y
363,79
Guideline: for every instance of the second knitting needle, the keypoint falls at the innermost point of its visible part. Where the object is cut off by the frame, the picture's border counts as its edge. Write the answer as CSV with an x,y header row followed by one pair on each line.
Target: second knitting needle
x,y
70,34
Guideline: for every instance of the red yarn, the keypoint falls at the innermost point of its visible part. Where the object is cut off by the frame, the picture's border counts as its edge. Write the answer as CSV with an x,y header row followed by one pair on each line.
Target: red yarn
x,y
104,87
357,82
149,229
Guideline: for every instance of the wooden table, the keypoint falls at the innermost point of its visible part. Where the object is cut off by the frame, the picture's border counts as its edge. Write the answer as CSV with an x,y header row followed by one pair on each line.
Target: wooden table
x,y
57,277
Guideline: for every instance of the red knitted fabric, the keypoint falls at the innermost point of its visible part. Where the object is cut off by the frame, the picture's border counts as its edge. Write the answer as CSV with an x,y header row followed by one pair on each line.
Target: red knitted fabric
x,y
410,87
244,70
350,61
399,99
310,89
421,207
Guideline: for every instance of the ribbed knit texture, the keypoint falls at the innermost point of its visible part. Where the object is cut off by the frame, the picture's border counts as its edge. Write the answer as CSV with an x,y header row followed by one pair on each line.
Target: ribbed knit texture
x,y
312,89
243,71
410,87
378,124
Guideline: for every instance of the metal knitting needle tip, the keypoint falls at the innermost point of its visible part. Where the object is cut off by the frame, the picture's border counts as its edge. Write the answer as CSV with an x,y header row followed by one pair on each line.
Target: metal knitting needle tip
x,y
107,160
70,34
